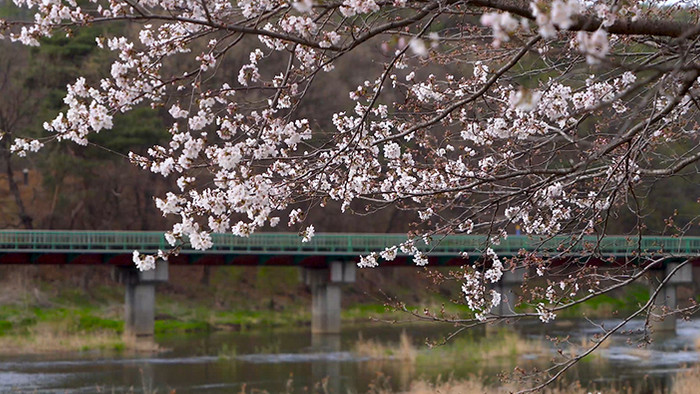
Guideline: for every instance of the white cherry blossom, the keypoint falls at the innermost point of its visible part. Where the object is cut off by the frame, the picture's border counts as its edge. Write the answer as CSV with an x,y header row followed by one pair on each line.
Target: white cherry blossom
x,y
467,125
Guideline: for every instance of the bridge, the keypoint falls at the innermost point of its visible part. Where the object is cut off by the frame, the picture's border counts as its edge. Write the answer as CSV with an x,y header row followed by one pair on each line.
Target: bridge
x,y
115,247
327,261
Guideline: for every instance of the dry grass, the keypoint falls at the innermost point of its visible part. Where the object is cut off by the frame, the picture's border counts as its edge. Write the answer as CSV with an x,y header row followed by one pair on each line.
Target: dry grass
x,y
371,348
588,342
450,386
494,347
44,338
687,382
18,287
475,385
500,345
509,343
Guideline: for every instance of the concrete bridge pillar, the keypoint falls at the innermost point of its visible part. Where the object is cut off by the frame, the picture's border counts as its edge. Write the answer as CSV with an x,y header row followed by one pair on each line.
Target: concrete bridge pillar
x,y
325,294
507,286
666,301
140,298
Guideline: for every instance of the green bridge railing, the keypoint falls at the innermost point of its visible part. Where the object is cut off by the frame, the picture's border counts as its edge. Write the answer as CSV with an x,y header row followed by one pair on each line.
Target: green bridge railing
x,y
334,244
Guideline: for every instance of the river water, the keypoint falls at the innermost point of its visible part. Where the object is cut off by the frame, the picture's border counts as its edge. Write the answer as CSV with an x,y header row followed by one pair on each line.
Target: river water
x,y
276,361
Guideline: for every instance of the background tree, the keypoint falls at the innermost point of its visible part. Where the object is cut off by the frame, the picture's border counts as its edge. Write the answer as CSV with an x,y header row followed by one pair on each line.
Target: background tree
x,y
15,115
471,116
106,191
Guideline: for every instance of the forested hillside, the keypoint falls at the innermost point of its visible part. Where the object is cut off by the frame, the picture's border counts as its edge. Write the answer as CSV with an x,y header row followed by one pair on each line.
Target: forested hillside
x,y
68,186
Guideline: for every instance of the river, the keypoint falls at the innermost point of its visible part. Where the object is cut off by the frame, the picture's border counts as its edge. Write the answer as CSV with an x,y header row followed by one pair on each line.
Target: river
x,y
278,361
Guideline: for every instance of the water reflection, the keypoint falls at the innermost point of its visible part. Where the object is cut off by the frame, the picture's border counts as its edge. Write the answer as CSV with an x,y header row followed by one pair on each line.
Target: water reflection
x,y
283,360
327,371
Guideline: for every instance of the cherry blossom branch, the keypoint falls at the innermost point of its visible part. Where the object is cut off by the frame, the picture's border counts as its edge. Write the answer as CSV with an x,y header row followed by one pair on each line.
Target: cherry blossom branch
x,y
485,87
647,27
608,334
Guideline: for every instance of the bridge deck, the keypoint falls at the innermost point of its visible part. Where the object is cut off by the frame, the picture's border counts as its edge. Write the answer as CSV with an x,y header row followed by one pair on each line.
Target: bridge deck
x,y
338,244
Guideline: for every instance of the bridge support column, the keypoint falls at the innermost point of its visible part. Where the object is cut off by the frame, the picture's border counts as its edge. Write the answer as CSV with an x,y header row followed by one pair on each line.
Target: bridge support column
x,y
140,298
666,301
510,282
325,294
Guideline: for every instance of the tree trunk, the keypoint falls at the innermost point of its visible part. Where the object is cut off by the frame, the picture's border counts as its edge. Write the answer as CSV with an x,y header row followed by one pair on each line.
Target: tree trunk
x,y
25,219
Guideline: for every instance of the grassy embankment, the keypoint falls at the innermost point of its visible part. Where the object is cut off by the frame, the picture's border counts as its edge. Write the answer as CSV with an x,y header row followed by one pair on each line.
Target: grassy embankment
x,y
46,310
49,309
92,325
482,362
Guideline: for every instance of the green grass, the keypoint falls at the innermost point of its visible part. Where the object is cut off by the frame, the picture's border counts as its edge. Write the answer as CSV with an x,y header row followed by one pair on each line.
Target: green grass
x,y
94,323
16,320
364,312
606,305
5,326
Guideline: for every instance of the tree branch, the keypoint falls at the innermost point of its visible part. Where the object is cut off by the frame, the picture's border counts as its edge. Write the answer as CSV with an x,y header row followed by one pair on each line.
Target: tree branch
x,y
651,27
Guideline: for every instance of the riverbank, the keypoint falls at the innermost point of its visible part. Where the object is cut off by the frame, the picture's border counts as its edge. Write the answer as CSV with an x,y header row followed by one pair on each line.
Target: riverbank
x,y
62,309
46,309
364,359
30,329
